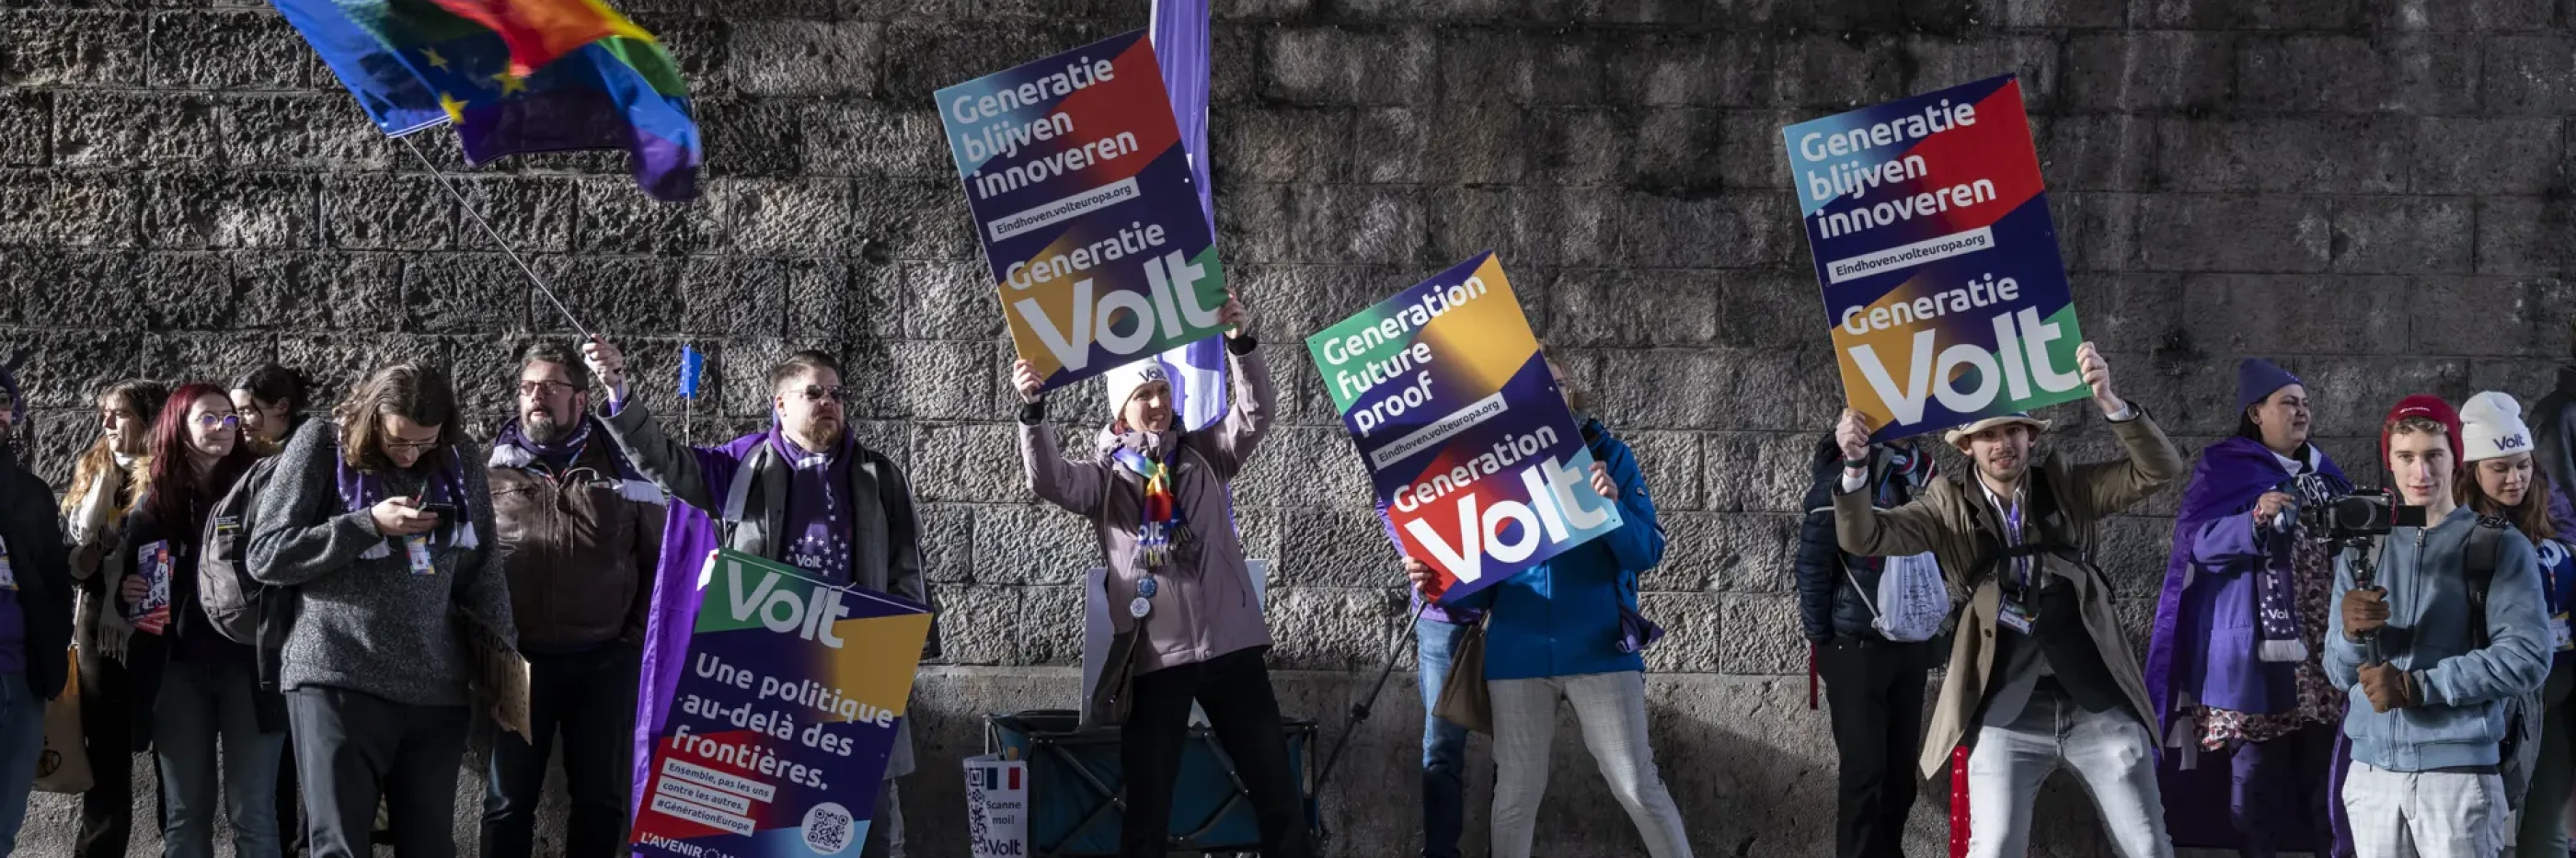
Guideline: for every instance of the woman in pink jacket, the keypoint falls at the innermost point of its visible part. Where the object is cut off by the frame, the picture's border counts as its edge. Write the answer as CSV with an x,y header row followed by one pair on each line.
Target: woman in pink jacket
x,y
1161,503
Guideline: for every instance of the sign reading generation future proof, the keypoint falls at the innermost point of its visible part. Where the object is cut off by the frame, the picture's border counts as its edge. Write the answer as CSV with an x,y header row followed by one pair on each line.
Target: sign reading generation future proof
x,y
1939,261
1083,201
1478,466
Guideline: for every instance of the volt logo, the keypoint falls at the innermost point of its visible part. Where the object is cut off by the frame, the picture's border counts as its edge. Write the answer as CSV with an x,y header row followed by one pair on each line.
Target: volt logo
x,y
1168,310
2512,442
809,616
1554,511
2020,362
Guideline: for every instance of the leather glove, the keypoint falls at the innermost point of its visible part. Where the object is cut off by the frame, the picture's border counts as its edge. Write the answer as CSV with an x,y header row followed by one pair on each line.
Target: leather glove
x,y
2364,611
2387,687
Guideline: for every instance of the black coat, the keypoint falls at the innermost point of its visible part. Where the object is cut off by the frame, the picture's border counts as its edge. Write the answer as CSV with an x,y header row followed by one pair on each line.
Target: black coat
x,y
148,655
1829,606
43,566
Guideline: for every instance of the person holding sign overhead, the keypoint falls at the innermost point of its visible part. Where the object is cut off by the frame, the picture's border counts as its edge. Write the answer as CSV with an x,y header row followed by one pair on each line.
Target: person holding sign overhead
x,y
805,493
1560,631
1160,500
2040,673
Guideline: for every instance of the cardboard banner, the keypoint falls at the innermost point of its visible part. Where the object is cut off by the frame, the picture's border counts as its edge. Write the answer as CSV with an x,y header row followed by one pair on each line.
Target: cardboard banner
x,y
783,718
997,807
1479,467
1942,280
1084,203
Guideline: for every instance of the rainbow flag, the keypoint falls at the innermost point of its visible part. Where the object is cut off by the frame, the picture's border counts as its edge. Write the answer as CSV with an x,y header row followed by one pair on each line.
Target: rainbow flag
x,y
615,93
540,31
413,64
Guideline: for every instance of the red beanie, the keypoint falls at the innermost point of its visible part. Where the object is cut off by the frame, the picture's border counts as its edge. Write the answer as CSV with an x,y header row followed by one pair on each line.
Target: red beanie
x,y
2427,406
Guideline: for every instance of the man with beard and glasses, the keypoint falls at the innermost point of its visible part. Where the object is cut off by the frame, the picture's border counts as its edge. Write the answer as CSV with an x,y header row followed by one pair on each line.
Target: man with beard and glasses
x,y
804,492
581,531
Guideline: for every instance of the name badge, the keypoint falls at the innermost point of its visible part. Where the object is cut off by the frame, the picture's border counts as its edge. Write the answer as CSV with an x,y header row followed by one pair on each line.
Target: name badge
x,y
8,575
418,546
2013,617
2558,631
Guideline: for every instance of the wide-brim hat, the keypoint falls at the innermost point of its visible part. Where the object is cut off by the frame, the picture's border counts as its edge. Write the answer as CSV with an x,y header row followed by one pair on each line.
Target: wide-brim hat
x,y
2037,426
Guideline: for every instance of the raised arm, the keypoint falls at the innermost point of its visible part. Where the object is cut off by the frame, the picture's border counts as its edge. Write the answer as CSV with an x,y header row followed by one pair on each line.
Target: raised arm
x,y
1250,410
1075,486
298,531
1638,542
670,464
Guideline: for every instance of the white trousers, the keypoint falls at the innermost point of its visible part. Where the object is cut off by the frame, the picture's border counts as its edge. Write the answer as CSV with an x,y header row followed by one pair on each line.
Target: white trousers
x,y
2424,814
2110,753
1612,710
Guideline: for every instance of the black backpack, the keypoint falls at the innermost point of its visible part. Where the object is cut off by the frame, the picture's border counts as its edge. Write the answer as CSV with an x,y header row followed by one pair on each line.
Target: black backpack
x,y
2520,750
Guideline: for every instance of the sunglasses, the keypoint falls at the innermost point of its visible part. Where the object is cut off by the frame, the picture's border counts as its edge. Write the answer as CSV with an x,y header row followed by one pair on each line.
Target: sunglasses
x,y
818,394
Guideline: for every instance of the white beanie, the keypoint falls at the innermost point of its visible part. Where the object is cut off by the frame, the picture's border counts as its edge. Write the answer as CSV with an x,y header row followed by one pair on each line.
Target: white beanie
x,y
2491,427
1124,381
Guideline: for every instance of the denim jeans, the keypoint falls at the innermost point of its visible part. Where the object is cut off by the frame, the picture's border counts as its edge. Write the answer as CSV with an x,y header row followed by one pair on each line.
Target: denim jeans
x,y
197,704
2109,752
22,739
1444,745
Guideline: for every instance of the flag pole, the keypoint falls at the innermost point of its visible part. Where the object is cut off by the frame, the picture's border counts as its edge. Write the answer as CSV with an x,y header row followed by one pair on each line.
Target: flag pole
x,y
495,235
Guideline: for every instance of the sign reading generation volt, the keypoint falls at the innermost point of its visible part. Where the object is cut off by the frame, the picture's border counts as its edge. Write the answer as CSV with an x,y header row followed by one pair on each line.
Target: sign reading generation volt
x,y
1942,280
1084,204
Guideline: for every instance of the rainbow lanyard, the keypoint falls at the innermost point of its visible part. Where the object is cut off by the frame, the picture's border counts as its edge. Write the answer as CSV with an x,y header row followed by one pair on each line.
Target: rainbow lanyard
x,y
1161,514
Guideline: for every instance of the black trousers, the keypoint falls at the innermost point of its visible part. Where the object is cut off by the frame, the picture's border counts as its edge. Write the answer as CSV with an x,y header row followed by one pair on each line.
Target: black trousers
x,y
108,728
1876,691
588,699
1234,689
354,748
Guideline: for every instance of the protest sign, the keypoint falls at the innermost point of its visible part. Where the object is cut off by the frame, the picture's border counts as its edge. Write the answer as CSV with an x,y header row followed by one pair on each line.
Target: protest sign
x,y
1479,467
1084,203
1942,281
997,807
784,715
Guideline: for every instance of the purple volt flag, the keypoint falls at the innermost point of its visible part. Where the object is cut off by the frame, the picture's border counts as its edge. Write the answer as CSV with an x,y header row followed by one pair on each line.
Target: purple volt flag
x,y
1180,34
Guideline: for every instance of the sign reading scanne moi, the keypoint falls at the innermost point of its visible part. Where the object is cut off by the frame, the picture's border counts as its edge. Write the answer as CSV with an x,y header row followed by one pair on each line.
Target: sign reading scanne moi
x,y
1942,279
1478,465
1083,201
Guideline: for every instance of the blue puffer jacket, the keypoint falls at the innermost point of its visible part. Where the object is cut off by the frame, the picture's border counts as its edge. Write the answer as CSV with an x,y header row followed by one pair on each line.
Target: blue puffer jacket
x,y
1561,618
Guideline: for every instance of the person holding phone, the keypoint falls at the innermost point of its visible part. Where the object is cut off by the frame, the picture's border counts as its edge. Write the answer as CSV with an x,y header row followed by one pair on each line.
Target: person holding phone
x,y
380,527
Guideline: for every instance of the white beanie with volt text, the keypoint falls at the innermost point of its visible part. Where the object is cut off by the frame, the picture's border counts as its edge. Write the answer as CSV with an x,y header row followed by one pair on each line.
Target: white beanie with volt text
x,y
2491,427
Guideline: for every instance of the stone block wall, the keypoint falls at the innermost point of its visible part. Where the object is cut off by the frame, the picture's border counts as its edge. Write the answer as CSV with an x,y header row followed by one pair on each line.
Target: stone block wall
x,y
2374,192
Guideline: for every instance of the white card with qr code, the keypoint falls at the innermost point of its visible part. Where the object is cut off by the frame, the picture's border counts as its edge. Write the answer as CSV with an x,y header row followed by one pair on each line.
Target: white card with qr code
x,y
828,829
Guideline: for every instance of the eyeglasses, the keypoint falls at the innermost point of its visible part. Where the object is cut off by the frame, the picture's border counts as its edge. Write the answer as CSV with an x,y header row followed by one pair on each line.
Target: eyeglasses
x,y
817,394
219,421
411,446
544,388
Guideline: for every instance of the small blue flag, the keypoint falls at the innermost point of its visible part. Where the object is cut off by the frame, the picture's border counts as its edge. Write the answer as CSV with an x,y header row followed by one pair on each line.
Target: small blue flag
x,y
692,366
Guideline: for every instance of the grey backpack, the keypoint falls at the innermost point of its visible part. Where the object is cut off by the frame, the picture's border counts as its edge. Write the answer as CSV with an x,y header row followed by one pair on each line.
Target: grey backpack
x,y
233,599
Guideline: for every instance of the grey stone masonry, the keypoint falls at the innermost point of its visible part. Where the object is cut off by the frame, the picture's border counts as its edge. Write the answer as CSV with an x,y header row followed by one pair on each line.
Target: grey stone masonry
x,y
2374,192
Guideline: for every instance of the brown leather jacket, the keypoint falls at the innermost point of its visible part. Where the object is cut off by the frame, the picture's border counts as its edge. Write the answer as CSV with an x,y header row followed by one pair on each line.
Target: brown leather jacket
x,y
580,549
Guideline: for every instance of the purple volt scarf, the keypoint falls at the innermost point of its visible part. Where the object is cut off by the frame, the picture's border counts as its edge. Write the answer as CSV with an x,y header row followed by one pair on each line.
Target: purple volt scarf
x,y
361,490
2229,477
514,449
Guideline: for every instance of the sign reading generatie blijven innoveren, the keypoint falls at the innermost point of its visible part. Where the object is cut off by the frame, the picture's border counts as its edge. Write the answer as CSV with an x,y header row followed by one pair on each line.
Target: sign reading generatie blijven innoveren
x,y
1942,279
1083,201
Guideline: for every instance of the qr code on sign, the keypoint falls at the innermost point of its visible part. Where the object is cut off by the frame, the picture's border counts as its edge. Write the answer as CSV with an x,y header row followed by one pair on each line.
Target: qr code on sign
x,y
827,829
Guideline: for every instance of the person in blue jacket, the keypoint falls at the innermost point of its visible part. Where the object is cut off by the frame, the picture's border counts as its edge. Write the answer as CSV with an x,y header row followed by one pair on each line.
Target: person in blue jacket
x,y
1555,632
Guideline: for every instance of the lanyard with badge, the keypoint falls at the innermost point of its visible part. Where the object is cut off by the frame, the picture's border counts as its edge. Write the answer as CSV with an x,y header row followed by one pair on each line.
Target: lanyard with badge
x,y
8,574
2020,609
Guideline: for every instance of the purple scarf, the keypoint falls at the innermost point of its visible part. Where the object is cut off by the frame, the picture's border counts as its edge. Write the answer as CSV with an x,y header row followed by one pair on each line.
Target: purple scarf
x,y
2229,477
563,453
361,490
